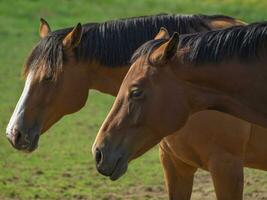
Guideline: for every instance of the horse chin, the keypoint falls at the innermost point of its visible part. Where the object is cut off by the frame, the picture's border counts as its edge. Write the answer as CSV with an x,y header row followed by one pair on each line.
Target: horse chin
x,y
119,170
29,150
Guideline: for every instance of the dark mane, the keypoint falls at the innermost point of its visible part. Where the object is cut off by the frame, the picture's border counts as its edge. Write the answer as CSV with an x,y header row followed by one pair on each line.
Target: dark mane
x,y
115,41
111,43
241,42
244,43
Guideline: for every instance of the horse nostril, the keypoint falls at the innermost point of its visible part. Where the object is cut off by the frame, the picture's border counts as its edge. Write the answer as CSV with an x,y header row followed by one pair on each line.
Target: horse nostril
x,y
17,137
98,156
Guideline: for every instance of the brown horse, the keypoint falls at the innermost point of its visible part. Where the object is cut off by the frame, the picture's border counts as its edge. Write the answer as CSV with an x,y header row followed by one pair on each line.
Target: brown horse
x,y
67,63
169,82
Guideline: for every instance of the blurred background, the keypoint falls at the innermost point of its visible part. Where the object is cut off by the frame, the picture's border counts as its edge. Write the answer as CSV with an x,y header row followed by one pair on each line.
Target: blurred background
x,y
62,167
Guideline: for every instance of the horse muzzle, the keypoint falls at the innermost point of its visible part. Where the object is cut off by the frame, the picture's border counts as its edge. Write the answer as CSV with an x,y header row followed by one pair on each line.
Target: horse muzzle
x,y
21,140
113,165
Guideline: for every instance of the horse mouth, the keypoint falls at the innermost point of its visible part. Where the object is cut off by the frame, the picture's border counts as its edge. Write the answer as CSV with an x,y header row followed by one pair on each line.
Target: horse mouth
x,y
119,169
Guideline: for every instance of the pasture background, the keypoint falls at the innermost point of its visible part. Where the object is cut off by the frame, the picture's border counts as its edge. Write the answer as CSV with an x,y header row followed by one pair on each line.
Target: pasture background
x,y
62,167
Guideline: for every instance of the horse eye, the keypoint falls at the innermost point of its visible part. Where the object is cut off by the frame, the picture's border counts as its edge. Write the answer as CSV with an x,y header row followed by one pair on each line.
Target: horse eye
x,y
136,94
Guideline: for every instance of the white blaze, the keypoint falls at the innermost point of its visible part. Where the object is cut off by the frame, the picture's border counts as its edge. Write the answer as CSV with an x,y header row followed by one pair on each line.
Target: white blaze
x,y
17,116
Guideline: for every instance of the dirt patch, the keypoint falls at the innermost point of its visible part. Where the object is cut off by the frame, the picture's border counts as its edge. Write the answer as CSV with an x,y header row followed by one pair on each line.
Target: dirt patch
x,y
255,189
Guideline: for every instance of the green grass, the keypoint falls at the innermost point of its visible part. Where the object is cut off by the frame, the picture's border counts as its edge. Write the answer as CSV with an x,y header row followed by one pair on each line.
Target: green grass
x,y
62,167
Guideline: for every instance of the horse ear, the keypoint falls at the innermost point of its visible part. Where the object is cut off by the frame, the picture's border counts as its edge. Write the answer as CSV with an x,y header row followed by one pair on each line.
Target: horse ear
x,y
73,38
222,22
162,34
44,28
166,51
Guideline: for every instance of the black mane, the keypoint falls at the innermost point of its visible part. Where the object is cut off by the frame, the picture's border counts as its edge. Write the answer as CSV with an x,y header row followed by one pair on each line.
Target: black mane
x,y
241,42
245,43
113,42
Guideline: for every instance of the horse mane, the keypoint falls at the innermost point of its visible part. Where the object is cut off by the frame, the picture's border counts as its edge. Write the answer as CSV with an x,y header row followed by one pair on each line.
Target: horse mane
x,y
110,43
244,43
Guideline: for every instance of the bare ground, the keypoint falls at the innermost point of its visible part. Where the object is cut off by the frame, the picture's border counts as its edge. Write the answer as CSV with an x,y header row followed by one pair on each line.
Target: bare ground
x,y
255,189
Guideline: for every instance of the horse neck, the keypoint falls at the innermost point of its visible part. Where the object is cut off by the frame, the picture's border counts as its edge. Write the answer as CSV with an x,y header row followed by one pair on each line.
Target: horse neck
x,y
228,87
106,79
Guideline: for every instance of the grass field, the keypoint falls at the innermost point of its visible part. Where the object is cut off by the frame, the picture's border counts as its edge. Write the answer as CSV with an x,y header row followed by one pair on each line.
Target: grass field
x,y
62,167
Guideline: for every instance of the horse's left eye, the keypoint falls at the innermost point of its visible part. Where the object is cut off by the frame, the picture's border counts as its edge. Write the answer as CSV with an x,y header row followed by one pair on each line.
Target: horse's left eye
x,y
136,94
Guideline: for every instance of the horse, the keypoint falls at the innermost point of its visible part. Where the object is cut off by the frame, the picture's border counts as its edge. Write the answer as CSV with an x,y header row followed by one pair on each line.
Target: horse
x,y
55,88
67,63
172,82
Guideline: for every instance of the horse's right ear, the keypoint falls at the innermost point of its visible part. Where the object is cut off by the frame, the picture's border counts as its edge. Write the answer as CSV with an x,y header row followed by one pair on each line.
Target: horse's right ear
x,y
73,38
162,34
224,22
166,51
44,28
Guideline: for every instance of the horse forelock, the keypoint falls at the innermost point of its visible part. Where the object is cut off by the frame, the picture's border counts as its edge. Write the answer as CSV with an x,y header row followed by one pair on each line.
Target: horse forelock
x,y
46,58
